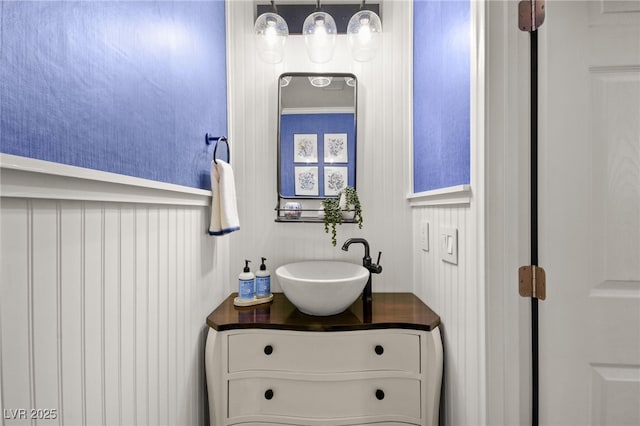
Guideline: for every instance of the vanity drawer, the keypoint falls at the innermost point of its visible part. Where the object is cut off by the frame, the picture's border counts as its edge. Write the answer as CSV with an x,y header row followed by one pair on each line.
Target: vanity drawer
x,y
324,399
346,424
325,352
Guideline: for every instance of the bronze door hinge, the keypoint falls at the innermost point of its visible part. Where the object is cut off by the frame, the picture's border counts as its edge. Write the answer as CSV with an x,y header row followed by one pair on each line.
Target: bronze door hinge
x,y
530,14
532,282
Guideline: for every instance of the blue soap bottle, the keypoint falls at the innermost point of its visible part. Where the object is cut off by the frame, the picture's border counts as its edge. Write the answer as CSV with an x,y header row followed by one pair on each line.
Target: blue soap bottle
x,y
263,281
246,283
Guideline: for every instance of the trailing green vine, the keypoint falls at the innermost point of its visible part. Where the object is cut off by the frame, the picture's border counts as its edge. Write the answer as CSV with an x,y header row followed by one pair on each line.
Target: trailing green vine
x,y
351,196
332,216
333,211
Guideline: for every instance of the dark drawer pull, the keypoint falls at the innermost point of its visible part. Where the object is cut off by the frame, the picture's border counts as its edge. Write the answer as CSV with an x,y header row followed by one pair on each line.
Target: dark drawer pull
x,y
268,394
268,350
380,394
379,349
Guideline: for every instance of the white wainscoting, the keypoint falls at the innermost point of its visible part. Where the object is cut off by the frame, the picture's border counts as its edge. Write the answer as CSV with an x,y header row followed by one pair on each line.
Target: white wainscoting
x,y
103,305
455,293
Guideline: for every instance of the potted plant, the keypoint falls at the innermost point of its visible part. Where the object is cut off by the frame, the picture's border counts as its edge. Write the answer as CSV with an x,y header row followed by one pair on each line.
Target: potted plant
x,y
350,204
345,206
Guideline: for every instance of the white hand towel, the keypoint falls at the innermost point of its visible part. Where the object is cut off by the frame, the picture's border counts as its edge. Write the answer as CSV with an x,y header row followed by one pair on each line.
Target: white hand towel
x,y
224,208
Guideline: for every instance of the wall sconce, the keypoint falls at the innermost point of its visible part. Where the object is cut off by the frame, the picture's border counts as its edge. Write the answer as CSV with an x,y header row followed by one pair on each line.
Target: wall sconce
x,y
320,27
271,35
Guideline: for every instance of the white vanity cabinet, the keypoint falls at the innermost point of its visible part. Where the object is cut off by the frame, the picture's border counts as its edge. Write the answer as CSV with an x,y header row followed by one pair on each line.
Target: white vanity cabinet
x,y
329,372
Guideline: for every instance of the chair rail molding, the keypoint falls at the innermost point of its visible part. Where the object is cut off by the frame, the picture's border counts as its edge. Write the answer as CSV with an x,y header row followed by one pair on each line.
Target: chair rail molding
x,y
459,194
23,177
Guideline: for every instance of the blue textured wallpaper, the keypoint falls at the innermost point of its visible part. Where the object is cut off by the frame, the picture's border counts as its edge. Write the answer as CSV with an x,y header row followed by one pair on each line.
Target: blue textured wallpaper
x,y
120,86
441,94
318,124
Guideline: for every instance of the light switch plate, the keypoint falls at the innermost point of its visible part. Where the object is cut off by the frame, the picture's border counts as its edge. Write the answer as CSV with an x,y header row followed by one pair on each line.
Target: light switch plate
x,y
449,245
424,235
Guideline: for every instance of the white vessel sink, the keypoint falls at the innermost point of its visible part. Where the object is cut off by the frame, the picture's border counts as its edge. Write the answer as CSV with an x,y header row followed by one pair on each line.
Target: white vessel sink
x,y
322,287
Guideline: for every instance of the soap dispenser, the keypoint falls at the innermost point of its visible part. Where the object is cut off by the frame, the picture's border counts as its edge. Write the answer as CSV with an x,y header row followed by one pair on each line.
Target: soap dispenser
x,y
246,283
263,281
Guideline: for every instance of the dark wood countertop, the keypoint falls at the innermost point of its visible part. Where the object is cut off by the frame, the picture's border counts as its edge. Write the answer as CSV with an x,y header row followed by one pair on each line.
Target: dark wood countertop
x,y
389,310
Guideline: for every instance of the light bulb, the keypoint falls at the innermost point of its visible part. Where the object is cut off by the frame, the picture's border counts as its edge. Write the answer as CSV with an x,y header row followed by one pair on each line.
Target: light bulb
x,y
319,30
363,32
364,35
271,34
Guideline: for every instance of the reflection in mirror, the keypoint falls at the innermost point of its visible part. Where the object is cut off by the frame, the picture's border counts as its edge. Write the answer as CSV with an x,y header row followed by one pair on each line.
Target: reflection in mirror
x,y
316,142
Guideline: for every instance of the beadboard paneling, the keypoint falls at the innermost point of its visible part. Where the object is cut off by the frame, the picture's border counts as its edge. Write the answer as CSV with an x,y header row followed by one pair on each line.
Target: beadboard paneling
x,y
453,291
103,309
384,149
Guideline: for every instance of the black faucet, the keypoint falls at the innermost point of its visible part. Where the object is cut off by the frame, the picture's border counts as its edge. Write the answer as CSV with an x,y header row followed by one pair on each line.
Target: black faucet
x,y
373,268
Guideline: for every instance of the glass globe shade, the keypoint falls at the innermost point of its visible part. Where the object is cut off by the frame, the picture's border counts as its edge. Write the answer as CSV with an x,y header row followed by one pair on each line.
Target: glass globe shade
x,y
319,30
271,34
284,81
363,32
320,80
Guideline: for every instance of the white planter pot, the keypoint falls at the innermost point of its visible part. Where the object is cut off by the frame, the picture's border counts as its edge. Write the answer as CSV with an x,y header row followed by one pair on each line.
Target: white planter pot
x,y
348,211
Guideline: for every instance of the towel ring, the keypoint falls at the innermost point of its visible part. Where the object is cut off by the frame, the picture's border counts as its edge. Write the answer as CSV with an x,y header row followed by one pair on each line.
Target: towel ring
x,y
218,139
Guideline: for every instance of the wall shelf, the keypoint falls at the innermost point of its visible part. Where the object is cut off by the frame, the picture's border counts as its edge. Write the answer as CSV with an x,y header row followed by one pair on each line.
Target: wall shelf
x,y
308,220
307,215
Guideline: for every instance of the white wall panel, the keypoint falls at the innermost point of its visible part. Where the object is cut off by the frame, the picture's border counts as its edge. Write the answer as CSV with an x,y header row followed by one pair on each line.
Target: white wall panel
x,y
127,299
384,144
72,407
44,303
16,316
454,292
93,335
103,309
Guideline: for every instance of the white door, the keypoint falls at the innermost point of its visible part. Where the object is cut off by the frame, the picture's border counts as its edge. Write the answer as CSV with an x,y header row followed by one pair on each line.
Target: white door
x,y
590,213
